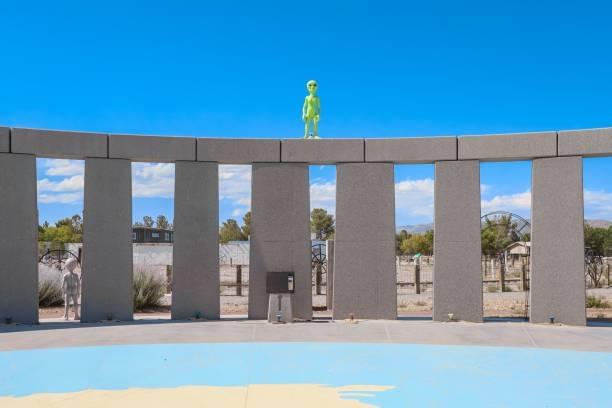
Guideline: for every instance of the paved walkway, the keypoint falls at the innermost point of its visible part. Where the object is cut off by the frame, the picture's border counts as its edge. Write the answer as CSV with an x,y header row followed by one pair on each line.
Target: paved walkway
x,y
53,334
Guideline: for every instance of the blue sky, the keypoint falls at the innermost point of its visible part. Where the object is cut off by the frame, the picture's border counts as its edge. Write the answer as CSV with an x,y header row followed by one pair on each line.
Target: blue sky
x,y
385,69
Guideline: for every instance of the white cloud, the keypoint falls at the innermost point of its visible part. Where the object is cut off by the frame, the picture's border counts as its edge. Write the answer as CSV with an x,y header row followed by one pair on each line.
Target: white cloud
x,y
63,167
61,198
74,183
598,204
414,200
153,180
518,202
235,187
323,195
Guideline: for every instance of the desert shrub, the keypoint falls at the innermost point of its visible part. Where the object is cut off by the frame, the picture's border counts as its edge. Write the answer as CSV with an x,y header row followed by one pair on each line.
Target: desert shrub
x,y
50,294
492,288
597,302
507,289
148,291
420,303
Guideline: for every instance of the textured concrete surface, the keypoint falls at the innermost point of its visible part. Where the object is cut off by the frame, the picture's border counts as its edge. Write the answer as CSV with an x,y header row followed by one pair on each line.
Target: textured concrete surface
x,y
18,240
457,279
321,151
239,151
411,149
4,140
59,144
507,334
517,146
151,148
364,276
557,242
195,279
588,142
280,234
107,241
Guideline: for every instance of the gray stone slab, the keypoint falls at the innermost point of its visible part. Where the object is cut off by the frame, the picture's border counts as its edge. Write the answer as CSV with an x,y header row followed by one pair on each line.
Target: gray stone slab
x,y
59,144
364,276
151,148
238,151
5,142
107,241
18,240
280,234
513,146
195,278
322,151
557,285
411,149
587,142
457,279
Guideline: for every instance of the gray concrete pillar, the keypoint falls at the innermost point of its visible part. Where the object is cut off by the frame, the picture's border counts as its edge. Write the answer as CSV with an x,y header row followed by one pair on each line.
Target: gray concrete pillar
x,y
195,281
557,286
18,240
457,278
364,275
107,241
329,289
280,234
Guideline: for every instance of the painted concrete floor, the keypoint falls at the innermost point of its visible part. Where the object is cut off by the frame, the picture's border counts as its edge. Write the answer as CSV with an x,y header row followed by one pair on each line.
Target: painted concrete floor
x,y
246,363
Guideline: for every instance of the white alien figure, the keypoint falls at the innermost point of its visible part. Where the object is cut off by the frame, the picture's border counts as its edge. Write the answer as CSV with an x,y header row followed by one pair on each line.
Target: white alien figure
x,y
71,287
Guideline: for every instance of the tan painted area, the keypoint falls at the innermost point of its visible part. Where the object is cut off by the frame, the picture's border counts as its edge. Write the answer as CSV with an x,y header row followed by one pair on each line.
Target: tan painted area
x,y
252,396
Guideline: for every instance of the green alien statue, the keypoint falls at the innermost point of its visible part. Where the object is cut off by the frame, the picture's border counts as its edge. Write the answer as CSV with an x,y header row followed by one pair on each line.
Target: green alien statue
x,y
311,111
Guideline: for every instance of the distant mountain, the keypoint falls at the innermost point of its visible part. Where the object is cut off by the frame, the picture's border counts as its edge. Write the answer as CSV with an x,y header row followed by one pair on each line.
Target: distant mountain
x,y
420,228
599,223
415,229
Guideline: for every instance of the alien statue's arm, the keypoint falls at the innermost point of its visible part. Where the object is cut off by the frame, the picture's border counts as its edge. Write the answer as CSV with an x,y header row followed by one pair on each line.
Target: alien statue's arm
x,y
64,285
318,109
304,109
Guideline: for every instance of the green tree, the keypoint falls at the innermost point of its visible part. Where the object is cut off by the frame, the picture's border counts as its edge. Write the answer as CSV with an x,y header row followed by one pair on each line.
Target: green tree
x,y
497,234
322,224
418,243
162,222
595,238
399,238
230,231
147,221
246,225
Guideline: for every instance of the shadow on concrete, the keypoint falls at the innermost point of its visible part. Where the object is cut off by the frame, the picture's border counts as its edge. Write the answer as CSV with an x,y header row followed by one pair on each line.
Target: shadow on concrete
x,y
505,320
415,318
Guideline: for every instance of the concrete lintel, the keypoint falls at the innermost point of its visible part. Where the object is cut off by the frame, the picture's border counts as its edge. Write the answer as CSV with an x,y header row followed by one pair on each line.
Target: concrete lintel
x,y
5,142
238,151
411,149
587,142
505,147
59,144
322,151
151,148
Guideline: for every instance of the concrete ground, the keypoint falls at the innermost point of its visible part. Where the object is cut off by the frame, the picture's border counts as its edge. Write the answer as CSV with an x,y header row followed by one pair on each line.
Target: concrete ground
x,y
55,333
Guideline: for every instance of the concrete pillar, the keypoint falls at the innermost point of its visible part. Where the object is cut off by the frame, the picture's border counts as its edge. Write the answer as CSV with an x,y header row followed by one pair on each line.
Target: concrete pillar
x,y
364,275
329,290
107,241
280,234
557,242
457,275
195,288
18,240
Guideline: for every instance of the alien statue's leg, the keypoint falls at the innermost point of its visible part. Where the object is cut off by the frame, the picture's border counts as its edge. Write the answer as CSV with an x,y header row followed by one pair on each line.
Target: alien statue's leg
x,y
306,128
75,305
66,305
315,123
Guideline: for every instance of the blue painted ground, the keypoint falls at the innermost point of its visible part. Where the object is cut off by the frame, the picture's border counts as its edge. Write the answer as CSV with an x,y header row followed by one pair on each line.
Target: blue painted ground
x,y
423,375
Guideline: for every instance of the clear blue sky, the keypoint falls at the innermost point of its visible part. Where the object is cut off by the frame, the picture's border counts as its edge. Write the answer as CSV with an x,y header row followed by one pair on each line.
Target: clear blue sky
x,y
238,69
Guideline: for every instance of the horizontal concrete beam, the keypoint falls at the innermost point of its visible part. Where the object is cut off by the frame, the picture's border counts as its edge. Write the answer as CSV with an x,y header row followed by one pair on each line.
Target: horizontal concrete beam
x,y
588,142
4,140
411,149
512,146
151,148
59,144
239,151
321,151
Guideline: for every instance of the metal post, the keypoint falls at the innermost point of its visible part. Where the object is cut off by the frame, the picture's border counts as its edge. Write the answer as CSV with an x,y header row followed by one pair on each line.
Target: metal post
x,y
238,280
523,277
168,278
417,278
318,278
608,274
502,273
